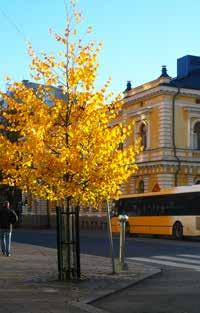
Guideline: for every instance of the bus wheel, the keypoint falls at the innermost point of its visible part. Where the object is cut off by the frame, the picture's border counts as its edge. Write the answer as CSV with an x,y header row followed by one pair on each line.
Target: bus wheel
x,y
177,232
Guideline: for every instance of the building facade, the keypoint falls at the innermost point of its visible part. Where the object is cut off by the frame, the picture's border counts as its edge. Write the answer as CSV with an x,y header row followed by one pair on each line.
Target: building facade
x,y
166,112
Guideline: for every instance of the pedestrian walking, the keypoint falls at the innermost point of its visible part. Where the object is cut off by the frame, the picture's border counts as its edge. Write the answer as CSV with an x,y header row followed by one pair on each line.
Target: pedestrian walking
x,y
7,218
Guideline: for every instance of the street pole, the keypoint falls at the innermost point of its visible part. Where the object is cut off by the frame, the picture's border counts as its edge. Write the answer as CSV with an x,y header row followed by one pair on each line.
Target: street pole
x,y
122,219
110,238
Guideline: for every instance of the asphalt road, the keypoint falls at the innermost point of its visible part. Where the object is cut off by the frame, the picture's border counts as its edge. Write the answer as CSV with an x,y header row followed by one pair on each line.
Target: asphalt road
x,y
97,243
172,291
176,289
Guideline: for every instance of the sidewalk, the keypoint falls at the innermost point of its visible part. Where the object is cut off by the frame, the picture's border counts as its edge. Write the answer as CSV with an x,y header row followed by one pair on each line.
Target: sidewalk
x,y
28,282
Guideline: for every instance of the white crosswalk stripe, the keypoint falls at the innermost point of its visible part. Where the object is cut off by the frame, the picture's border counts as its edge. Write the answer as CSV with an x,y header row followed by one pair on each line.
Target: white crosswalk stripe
x,y
190,256
175,259
187,261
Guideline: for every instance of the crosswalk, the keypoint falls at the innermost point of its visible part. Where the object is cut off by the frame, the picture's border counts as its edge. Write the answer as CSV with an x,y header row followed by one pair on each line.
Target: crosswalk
x,y
187,261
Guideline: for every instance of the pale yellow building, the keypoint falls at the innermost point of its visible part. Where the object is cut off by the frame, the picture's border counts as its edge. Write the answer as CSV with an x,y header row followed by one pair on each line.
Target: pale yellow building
x,y
166,112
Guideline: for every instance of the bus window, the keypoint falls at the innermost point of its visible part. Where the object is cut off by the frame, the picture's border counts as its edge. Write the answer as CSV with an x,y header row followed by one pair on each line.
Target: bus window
x,y
155,207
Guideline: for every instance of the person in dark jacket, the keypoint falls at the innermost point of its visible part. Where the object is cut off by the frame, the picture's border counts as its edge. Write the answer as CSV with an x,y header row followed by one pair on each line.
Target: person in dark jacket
x,y
7,218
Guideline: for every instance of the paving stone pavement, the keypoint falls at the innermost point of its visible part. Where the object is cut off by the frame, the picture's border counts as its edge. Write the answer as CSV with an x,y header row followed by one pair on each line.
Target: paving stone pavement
x,y
28,281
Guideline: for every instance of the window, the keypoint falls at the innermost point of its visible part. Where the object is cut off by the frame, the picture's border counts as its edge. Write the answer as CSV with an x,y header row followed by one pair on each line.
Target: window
x,y
196,132
143,134
141,186
120,146
185,204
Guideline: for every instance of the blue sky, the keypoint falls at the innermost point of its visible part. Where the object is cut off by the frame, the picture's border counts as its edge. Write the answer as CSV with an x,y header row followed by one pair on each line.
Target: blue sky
x,y
138,35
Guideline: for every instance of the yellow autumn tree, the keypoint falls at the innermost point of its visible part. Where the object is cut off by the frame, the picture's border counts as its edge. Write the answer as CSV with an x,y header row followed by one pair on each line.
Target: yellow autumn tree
x,y
66,132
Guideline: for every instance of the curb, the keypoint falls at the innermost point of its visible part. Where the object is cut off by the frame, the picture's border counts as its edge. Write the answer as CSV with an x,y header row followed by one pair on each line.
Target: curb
x,y
86,306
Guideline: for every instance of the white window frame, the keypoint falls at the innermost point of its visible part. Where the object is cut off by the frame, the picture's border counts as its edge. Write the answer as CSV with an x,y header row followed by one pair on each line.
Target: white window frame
x,y
138,131
192,143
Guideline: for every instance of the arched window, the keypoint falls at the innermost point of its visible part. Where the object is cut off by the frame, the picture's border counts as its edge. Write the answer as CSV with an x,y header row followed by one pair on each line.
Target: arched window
x,y
120,146
141,186
143,134
196,131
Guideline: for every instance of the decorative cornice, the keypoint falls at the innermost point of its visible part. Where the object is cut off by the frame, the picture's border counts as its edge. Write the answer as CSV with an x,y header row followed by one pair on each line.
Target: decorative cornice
x,y
190,92
152,84
192,109
139,112
144,93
